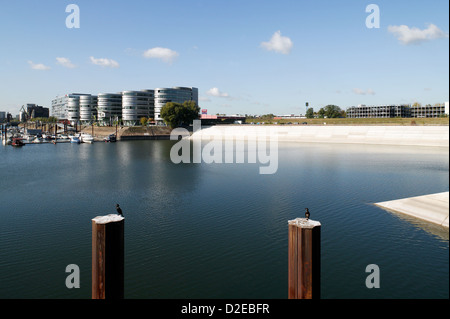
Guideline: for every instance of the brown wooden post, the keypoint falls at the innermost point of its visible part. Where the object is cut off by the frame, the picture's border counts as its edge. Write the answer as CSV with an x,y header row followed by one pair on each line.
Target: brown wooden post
x,y
108,257
304,259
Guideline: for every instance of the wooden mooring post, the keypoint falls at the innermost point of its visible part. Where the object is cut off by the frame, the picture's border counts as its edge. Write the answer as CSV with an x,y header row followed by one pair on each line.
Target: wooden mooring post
x,y
108,257
304,259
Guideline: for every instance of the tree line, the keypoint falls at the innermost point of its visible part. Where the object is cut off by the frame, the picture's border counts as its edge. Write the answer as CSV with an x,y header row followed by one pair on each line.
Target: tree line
x,y
329,111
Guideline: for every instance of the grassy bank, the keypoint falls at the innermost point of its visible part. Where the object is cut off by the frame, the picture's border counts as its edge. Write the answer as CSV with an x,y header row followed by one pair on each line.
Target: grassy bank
x,y
365,121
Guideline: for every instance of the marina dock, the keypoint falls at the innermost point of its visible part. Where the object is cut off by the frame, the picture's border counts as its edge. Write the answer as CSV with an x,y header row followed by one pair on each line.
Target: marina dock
x,y
433,208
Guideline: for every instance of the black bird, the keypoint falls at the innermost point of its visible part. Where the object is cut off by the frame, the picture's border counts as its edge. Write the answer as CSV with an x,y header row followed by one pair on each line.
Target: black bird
x,y
307,213
119,210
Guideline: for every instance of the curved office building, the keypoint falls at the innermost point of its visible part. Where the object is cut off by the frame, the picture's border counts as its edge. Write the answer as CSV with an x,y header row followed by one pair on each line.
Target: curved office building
x,y
88,104
73,108
175,94
109,107
135,105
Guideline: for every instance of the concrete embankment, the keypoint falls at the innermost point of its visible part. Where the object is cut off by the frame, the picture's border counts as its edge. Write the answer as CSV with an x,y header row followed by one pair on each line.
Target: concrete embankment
x,y
383,135
146,133
433,208
130,133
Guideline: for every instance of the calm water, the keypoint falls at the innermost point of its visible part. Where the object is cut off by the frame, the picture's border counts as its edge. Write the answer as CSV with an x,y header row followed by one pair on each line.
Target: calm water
x,y
219,230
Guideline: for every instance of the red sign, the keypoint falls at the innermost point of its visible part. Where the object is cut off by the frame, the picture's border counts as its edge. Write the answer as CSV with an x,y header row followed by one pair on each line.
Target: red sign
x,y
204,111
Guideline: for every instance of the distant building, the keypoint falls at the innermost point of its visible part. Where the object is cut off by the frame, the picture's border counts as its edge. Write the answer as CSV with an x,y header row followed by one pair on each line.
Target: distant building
x,y
389,111
221,119
127,106
437,110
287,117
74,107
175,94
2,116
34,110
382,111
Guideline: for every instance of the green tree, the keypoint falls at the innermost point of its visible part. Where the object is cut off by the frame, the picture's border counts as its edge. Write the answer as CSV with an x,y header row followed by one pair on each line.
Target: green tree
x,y
332,111
176,114
143,120
321,113
309,113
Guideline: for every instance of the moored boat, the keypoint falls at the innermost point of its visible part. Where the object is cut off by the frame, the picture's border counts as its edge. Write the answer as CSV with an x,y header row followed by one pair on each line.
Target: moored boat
x,y
28,137
16,141
75,139
38,139
110,138
86,138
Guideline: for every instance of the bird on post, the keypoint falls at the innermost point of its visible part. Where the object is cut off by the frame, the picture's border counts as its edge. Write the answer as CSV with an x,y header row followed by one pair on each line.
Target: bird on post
x,y
119,210
307,214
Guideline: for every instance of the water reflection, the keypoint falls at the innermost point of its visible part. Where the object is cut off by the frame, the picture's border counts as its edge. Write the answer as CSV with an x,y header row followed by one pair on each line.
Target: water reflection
x,y
439,231
219,230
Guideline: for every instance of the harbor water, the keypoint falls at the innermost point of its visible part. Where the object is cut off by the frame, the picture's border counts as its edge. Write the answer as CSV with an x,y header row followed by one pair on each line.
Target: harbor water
x,y
220,230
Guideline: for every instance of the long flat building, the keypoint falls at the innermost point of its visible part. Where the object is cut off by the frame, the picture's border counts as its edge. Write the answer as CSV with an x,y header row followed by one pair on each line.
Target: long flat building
x,y
390,111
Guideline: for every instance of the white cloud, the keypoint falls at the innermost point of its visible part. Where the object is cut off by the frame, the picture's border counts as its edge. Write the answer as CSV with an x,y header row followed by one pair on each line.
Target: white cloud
x,y
362,92
38,66
216,92
167,55
407,35
65,62
278,43
104,62
204,99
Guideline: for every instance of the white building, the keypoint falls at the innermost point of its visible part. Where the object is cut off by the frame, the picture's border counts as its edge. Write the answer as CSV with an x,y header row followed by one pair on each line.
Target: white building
x,y
88,108
137,104
68,107
109,106
175,94
128,106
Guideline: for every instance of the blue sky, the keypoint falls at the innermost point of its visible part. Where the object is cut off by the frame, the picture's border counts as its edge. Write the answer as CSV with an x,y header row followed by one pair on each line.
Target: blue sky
x,y
247,56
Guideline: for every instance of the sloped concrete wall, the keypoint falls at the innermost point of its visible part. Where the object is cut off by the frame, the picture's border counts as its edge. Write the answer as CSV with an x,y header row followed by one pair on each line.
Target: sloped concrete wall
x,y
384,135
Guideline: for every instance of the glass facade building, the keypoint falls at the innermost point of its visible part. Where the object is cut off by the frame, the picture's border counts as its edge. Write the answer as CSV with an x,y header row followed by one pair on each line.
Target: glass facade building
x,y
109,106
127,106
68,107
137,104
175,94
88,108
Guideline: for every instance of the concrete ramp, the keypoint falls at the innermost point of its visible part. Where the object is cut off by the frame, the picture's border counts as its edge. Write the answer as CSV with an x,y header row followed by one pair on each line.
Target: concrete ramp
x,y
437,136
433,208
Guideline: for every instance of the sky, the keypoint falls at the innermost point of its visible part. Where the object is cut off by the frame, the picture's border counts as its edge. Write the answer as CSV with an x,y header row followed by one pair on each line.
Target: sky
x,y
245,57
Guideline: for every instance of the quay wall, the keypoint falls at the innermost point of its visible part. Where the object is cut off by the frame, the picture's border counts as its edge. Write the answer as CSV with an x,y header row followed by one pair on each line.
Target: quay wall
x,y
131,133
384,135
